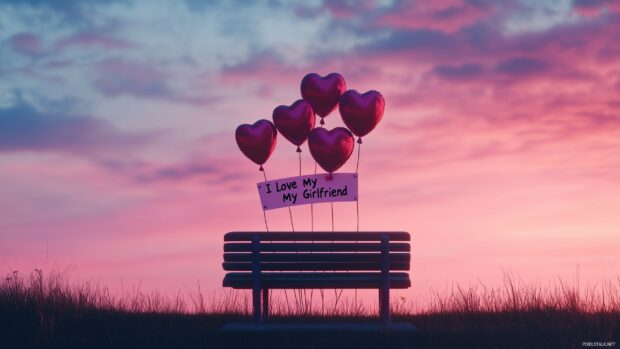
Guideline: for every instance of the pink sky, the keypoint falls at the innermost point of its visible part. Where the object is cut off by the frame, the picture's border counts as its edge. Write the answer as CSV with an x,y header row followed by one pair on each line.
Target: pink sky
x,y
499,149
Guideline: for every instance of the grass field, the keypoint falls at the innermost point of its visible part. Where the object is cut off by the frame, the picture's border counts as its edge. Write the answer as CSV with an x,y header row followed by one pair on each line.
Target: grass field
x,y
47,311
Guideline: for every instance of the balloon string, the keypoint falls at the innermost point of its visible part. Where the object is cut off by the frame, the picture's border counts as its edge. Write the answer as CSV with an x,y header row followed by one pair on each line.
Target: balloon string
x,y
357,202
264,212
359,147
312,205
332,204
357,212
311,217
290,214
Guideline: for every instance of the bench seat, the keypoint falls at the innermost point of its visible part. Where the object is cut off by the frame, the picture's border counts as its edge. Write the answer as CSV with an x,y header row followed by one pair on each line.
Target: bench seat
x,y
317,280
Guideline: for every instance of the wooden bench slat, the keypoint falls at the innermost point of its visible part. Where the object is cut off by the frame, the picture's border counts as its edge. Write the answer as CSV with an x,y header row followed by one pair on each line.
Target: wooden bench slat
x,y
315,257
316,247
316,266
316,280
317,236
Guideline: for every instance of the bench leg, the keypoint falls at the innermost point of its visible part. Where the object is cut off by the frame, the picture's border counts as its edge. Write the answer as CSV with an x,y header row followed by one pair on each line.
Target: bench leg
x,y
256,304
265,303
384,290
384,305
256,287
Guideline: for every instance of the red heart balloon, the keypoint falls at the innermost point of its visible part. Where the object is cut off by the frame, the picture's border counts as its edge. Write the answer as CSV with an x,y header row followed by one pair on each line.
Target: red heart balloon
x,y
331,149
361,112
257,141
294,122
323,93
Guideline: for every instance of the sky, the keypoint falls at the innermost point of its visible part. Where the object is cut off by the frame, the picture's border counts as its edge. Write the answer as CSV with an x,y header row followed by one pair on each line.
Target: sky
x,y
499,149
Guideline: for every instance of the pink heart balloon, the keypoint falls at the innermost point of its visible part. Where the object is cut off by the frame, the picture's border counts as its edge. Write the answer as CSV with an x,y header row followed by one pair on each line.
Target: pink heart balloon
x,y
331,149
257,141
361,112
323,93
294,122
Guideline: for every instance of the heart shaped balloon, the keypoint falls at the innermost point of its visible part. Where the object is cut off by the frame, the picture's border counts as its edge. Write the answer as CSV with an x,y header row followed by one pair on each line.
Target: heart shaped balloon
x,y
257,141
294,122
331,149
323,93
361,112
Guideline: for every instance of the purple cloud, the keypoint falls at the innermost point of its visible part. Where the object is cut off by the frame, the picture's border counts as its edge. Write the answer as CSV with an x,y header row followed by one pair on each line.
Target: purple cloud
x,y
24,128
117,77
179,172
588,4
88,39
303,11
120,77
417,40
459,72
348,9
522,66
206,170
446,16
27,43
73,11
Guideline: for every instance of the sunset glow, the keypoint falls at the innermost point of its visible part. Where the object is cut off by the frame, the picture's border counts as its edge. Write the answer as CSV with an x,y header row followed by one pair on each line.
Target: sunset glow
x,y
499,149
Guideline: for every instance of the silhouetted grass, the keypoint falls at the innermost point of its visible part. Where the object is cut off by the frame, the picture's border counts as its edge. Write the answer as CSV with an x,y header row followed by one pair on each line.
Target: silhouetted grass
x,y
48,312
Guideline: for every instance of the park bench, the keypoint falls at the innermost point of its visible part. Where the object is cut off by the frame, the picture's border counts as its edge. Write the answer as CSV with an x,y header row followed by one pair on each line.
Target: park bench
x,y
316,260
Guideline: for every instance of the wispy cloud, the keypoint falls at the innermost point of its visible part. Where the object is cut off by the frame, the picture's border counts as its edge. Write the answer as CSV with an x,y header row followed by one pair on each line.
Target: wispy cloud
x,y
92,39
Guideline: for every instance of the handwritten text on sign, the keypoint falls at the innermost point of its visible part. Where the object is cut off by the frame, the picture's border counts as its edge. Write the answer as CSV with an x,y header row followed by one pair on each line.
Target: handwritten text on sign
x,y
305,190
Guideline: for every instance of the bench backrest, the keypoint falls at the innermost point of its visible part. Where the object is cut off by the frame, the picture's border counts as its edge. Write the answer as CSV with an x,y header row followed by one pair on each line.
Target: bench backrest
x,y
316,251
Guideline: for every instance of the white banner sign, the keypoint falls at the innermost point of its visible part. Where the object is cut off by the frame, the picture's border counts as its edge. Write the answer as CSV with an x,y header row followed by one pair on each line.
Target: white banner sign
x,y
309,189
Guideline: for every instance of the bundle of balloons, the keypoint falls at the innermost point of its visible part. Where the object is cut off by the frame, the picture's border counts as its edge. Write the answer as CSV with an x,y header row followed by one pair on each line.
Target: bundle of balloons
x,y
320,96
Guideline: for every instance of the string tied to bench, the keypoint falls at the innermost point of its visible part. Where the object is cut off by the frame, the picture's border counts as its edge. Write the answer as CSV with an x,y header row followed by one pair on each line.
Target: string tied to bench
x,y
264,208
